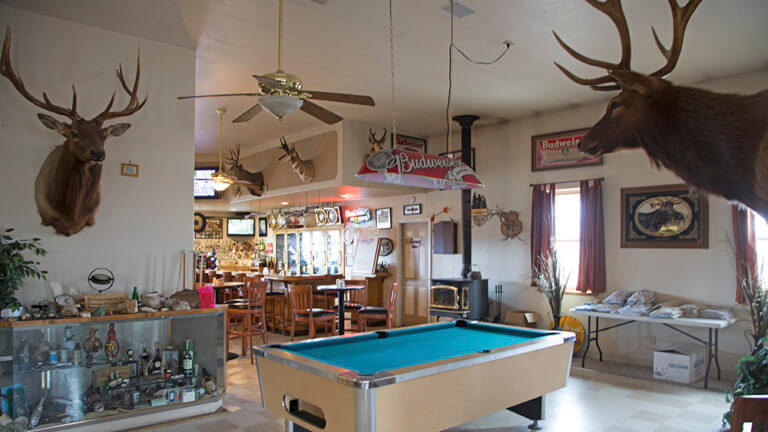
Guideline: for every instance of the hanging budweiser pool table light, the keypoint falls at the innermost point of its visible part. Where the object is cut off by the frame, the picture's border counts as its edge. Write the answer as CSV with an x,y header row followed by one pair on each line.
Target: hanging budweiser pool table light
x,y
409,168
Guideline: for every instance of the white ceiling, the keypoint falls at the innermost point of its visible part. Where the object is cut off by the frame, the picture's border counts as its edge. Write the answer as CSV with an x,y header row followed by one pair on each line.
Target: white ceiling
x,y
342,46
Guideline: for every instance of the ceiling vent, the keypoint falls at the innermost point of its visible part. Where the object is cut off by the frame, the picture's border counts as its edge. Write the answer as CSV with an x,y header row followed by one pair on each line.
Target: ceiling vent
x,y
460,10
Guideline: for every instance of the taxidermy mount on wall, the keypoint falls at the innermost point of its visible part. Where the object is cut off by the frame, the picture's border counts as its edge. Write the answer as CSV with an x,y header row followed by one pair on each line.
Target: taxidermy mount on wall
x,y
715,142
305,169
253,181
67,186
377,144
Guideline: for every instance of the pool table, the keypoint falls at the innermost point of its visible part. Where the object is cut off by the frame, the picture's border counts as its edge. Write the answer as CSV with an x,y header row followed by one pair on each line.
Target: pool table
x,y
423,378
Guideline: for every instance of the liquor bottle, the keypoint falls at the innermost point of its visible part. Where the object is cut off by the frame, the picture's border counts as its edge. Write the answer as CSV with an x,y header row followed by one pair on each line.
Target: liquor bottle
x,y
135,295
187,361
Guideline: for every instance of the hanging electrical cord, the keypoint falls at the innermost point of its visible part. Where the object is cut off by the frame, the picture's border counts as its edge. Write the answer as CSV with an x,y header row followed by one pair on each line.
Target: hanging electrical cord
x,y
392,72
451,47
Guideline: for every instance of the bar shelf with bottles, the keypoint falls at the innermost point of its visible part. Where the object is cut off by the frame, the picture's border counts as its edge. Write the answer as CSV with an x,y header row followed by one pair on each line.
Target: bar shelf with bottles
x,y
69,374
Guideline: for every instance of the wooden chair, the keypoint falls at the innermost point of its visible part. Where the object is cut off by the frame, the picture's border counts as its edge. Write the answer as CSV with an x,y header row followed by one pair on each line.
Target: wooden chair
x,y
379,313
227,276
246,317
276,313
240,277
354,300
207,278
750,409
300,297
211,275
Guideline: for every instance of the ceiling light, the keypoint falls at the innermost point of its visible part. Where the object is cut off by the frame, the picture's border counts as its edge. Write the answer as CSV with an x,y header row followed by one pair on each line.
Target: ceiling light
x,y
284,203
280,105
220,181
346,195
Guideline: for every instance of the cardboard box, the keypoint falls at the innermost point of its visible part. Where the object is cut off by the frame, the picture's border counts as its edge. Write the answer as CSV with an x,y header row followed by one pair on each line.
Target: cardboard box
x,y
681,363
522,318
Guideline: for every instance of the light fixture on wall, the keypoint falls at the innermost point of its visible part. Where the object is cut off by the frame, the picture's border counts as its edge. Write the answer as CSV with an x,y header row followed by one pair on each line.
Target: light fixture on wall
x,y
220,181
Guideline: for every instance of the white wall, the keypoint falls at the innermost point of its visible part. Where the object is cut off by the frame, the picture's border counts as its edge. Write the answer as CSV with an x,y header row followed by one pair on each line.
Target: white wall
x,y
143,223
705,276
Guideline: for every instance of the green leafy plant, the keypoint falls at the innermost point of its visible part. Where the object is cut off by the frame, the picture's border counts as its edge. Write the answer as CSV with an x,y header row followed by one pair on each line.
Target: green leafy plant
x,y
752,376
548,277
15,267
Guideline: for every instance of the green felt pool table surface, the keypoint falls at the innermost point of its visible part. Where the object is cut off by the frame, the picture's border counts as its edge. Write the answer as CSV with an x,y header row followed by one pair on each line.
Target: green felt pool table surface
x,y
370,353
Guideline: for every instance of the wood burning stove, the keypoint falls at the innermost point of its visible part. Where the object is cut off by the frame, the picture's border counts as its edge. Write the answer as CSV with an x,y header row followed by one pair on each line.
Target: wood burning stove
x,y
459,298
449,297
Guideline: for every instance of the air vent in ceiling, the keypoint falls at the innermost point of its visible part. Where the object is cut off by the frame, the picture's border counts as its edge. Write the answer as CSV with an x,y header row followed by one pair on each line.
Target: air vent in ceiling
x,y
460,10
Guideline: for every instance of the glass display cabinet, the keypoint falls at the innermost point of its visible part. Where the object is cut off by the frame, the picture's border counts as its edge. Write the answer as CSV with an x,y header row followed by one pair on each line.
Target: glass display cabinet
x,y
71,372
308,252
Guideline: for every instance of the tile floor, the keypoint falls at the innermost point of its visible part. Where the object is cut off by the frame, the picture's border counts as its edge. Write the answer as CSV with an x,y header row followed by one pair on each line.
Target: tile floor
x,y
592,401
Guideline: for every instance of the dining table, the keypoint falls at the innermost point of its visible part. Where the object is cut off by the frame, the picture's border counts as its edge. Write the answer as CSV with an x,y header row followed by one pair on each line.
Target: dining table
x,y
340,291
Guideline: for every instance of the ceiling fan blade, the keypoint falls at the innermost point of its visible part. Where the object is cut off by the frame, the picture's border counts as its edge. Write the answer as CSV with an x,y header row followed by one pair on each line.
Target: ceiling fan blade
x,y
219,95
248,114
268,81
320,113
341,97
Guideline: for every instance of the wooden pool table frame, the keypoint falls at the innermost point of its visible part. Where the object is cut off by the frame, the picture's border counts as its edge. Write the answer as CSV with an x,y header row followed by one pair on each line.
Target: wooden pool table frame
x,y
426,397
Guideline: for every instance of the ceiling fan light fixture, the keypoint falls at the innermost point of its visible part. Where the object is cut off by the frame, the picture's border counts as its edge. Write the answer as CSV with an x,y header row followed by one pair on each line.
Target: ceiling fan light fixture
x,y
220,181
280,105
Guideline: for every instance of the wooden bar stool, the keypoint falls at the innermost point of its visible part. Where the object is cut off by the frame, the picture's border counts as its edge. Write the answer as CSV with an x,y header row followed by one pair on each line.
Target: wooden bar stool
x,y
246,317
300,297
379,313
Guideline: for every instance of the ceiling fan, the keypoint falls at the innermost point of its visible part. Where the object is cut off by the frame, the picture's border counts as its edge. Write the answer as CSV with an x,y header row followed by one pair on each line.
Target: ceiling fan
x,y
282,93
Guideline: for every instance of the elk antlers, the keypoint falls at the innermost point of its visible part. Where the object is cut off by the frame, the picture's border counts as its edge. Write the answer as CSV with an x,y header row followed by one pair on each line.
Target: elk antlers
x,y
233,159
6,70
680,17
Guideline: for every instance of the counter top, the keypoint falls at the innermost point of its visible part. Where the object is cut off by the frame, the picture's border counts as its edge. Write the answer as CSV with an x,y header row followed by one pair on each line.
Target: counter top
x,y
113,317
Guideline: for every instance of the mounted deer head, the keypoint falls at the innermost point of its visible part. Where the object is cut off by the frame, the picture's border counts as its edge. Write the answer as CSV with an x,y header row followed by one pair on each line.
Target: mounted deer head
x,y
305,169
67,186
715,142
376,143
253,181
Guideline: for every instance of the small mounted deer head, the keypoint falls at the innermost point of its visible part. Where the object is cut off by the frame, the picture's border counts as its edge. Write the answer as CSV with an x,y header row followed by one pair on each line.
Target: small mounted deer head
x,y
715,142
305,169
376,143
253,181
67,186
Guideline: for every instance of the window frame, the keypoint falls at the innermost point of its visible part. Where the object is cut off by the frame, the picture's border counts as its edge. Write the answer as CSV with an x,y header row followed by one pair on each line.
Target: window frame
x,y
561,190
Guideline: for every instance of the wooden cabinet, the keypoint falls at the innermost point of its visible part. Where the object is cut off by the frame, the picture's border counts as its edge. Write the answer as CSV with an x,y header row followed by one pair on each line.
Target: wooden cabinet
x,y
444,235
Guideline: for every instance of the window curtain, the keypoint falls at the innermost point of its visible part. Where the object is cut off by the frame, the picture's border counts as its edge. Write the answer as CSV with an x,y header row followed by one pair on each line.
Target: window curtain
x,y
743,244
542,223
591,238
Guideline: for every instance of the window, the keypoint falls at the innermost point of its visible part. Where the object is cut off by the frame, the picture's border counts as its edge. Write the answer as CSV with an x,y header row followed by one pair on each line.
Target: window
x,y
761,244
567,229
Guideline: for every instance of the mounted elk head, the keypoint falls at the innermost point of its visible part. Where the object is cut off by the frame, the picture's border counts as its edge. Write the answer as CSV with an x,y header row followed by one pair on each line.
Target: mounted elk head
x,y
305,169
67,186
715,142
253,181
376,143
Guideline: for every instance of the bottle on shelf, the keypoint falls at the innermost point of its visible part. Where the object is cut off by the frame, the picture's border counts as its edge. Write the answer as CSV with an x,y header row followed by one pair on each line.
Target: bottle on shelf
x,y
135,295
77,355
111,346
157,362
187,363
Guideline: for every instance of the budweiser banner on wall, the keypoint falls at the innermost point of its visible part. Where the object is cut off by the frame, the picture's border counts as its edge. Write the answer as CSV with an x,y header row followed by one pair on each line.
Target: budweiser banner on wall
x,y
559,150
408,168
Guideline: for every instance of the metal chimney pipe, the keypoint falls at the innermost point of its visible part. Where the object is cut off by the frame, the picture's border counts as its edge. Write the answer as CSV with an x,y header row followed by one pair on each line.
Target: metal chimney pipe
x,y
466,195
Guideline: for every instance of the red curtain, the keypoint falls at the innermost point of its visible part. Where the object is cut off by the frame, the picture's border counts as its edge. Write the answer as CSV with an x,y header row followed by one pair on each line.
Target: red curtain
x,y
743,244
542,223
591,238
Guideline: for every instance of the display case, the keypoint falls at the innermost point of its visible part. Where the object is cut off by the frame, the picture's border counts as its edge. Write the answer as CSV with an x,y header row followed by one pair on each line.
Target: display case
x,y
308,252
69,373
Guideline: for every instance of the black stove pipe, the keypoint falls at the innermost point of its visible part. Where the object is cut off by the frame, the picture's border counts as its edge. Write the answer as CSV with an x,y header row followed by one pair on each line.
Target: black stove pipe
x,y
466,194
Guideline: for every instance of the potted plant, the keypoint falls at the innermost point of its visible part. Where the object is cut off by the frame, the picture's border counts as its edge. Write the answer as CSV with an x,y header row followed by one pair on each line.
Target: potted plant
x,y
548,278
752,369
15,267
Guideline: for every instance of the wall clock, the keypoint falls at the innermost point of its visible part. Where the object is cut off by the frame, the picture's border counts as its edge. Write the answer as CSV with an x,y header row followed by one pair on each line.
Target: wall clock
x,y
199,222
349,235
386,247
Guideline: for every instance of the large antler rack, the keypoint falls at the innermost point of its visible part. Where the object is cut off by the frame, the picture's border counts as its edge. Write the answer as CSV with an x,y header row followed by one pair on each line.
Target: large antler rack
x,y
233,159
133,104
613,9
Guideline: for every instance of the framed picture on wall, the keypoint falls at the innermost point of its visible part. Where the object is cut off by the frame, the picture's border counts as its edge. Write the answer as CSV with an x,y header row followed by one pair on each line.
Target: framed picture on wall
x,y
411,209
560,150
384,218
263,227
670,216
406,142
213,229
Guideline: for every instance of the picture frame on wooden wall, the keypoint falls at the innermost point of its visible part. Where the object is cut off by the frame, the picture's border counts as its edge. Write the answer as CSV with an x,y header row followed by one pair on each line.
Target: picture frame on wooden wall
x,y
384,218
668,216
263,227
214,229
560,150
129,169
456,154
411,209
406,142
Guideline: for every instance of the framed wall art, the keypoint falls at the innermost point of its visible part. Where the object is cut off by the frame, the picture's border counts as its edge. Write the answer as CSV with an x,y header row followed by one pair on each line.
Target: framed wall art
x,y
213,229
411,209
129,169
384,218
263,228
456,154
670,216
560,150
406,142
